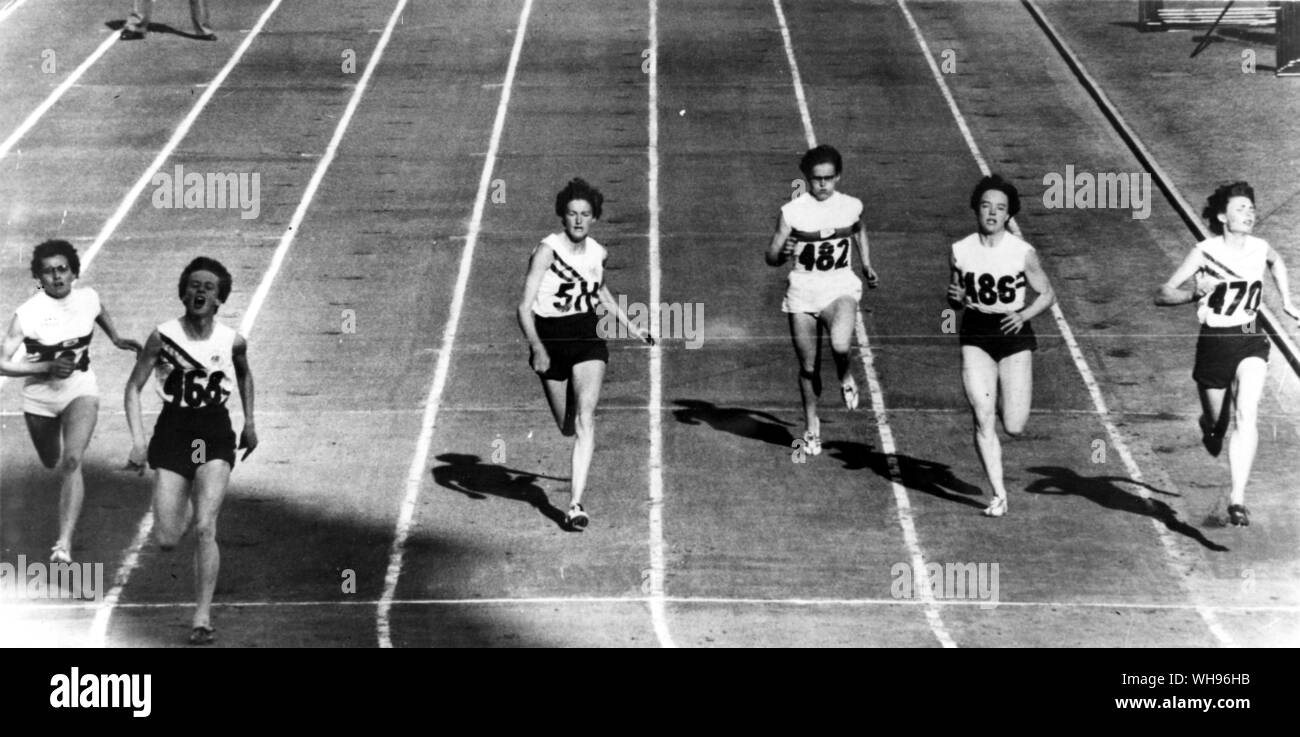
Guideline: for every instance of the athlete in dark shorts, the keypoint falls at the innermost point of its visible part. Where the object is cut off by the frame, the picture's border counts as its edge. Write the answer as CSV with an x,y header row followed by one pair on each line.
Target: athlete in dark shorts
x,y
197,362
557,316
992,271
1231,353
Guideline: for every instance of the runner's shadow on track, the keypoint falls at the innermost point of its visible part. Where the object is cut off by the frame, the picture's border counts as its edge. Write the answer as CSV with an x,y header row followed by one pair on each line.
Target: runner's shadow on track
x,y
927,477
117,25
746,423
468,475
1104,490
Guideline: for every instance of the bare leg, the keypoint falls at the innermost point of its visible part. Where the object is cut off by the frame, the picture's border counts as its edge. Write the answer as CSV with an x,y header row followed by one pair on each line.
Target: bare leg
x,y
559,396
46,435
1248,387
805,331
1016,390
979,374
78,425
210,484
587,379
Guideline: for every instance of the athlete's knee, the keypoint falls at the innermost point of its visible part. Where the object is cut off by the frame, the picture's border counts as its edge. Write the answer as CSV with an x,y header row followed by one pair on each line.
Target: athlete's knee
x,y
205,531
50,460
166,539
1014,429
584,423
71,462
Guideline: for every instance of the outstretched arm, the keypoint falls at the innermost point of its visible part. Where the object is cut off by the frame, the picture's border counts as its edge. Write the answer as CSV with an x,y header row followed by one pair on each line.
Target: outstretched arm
x,y
105,322
1171,292
144,365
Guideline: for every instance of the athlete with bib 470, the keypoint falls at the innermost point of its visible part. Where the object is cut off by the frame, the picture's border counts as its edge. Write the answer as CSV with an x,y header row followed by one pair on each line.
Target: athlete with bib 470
x,y
819,230
1231,354
992,271
196,362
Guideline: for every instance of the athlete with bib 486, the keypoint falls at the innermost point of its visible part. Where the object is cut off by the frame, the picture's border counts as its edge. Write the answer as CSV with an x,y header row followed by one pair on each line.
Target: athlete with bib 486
x,y
992,270
1231,354
197,362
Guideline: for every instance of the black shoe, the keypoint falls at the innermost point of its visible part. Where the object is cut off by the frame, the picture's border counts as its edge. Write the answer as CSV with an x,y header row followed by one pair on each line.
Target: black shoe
x,y
1238,516
1212,441
209,36
131,35
203,636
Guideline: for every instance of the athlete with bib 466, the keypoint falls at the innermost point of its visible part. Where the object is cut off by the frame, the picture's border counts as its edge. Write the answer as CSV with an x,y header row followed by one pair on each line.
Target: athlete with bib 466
x,y
1231,354
197,363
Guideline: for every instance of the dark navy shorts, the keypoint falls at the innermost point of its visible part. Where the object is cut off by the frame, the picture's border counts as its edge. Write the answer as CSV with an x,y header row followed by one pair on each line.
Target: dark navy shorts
x,y
570,340
984,331
1220,350
184,439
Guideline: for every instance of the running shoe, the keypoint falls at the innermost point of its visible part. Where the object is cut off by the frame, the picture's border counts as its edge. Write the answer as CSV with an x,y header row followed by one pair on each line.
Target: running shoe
x,y
850,391
203,635
812,444
126,35
60,554
1212,441
1238,516
577,517
997,508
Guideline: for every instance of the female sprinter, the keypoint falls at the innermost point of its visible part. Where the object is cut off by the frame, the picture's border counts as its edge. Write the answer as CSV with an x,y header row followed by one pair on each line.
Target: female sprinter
x,y
557,314
990,272
1231,355
818,229
193,445
60,395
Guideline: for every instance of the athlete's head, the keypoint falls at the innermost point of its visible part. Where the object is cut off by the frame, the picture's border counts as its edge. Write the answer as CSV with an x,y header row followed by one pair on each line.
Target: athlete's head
x,y
577,205
995,201
55,265
821,167
1232,205
202,280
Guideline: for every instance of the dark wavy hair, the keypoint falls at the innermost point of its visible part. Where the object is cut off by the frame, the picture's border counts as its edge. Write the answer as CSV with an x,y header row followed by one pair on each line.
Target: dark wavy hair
x,y
995,181
578,189
822,154
49,249
203,263
1217,203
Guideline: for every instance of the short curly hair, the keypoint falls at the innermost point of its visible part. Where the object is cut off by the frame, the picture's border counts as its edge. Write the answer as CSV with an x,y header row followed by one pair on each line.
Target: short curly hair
x,y
224,281
822,154
578,189
995,181
50,249
1217,203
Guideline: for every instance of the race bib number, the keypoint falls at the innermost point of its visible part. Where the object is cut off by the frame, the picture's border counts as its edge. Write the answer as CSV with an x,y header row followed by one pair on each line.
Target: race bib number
x,y
825,255
985,289
195,388
576,297
1230,296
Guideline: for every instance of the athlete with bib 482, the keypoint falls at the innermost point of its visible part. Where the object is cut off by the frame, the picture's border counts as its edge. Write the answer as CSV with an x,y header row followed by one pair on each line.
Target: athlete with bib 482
x,y
1231,354
819,230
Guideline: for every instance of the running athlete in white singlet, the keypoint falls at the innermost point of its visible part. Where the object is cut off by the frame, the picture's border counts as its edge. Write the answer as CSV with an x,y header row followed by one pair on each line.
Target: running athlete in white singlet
x,y
817,232
48,344
557,314
991,273
197,363
1231,351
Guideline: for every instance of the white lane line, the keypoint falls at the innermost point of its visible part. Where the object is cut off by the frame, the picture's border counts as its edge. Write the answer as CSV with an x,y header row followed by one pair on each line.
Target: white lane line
x,y
99,627
658,613
10,7
54,96
419,461
175,141
1089,380
887,445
